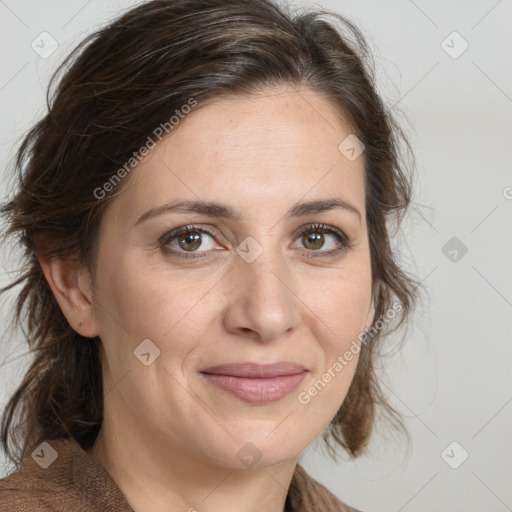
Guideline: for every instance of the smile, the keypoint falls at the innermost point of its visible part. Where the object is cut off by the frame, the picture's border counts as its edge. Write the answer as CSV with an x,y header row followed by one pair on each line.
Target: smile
x,y
257,390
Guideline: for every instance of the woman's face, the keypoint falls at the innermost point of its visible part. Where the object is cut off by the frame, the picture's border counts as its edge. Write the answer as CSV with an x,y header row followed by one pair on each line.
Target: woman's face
x,y
235,290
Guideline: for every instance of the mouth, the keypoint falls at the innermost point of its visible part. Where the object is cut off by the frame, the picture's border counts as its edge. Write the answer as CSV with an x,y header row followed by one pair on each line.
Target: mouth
x,y
256,383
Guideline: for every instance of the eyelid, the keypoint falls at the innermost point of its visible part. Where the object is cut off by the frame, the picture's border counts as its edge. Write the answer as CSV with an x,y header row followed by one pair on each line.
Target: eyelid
x,y
164,240
169,235
325,228
345,242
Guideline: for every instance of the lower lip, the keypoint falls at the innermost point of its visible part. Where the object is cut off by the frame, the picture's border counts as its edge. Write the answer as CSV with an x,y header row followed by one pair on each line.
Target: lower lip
x,y
257,390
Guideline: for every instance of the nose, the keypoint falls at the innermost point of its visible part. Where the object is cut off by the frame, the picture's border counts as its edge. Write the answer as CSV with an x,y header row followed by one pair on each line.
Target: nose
x,y
262,302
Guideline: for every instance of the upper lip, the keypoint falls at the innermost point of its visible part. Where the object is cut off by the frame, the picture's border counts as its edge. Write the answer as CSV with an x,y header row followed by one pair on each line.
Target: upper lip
x,y
256,370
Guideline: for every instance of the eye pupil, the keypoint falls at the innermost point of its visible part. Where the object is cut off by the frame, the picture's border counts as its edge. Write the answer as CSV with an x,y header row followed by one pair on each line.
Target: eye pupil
x,y
314,238
192,238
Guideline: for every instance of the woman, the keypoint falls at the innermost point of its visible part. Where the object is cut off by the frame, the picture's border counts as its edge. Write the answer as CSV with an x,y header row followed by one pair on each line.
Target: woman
x,y
204,212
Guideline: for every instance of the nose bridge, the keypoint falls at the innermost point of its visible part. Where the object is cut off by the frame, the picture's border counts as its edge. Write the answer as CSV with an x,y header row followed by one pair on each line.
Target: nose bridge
x,y
267,275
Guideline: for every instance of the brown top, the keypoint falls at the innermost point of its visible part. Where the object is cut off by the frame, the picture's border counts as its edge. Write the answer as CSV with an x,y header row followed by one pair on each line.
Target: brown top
x,y
59,476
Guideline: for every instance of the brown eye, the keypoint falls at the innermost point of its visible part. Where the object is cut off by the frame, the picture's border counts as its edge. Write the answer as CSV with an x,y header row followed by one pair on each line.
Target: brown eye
x,y
188,240
320,240
313,240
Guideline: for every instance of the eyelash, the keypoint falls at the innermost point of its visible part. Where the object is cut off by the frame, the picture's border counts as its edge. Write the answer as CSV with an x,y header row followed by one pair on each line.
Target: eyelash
x,y
344,241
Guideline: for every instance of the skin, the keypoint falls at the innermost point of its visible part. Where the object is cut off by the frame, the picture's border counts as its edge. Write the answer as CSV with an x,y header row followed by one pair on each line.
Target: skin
x,y
169,438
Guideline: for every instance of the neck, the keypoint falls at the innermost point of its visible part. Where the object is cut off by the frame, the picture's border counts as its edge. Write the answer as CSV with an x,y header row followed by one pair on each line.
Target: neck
x,y
156,475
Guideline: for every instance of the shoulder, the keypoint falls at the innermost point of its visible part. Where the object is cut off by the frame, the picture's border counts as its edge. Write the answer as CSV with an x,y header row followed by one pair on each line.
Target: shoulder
x,y
19,493
59,476
39,483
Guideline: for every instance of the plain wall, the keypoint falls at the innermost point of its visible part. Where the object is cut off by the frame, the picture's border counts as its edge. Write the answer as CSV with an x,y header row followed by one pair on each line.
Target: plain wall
x,y
452,379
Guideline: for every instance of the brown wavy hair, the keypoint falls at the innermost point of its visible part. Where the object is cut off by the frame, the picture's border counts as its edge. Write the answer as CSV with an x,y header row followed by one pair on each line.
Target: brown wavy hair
x,y
104,100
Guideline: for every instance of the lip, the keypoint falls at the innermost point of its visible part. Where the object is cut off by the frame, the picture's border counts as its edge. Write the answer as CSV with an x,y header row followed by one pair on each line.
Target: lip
x,y
256,383
256,370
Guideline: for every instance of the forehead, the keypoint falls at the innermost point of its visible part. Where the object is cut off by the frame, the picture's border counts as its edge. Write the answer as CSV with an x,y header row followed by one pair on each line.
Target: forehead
x,y
251,150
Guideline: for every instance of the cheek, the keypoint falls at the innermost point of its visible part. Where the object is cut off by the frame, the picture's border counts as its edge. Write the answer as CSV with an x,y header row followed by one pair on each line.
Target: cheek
x,y
338,315
143,305
341,306
143,302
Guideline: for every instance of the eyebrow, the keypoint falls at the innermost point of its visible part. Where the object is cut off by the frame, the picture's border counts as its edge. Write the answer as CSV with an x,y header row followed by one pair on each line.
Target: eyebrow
x,y
218,210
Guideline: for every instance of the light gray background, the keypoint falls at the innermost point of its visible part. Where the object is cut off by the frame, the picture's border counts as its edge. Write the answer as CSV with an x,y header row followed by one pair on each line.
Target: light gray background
x,y
453,379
